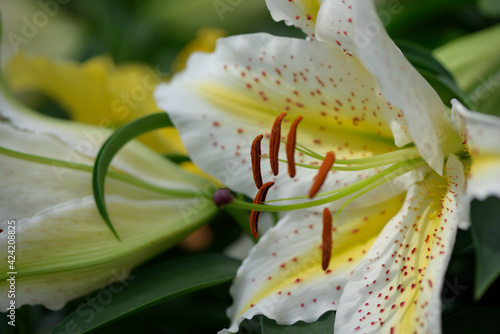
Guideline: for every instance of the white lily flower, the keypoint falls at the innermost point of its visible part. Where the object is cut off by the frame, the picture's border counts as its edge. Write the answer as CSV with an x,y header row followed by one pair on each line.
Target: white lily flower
x,y
396,186
63,249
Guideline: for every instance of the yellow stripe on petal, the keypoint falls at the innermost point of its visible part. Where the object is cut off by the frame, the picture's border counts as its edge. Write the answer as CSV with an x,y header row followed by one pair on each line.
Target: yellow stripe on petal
x,y
396,288
341,106
285,268
225,99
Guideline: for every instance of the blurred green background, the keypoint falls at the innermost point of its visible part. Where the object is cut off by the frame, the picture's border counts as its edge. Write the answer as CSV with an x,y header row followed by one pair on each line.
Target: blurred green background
x,y
155,30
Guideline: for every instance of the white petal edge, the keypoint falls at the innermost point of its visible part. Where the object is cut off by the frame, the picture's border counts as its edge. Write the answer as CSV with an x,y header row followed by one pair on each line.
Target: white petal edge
x,y
299,13
355,27
482,132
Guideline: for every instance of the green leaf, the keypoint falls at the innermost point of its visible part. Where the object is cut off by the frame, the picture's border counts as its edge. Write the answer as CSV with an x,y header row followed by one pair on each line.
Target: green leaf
x,y
323,325
485,228
147,287
484,320
109,149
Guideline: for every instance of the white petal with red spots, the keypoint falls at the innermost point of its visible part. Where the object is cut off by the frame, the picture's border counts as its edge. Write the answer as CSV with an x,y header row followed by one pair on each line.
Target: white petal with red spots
x,y
224,99
396,288
300,13
354,26
282,278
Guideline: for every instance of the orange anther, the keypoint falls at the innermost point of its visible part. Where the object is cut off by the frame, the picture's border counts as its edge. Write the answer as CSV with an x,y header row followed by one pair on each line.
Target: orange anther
x,y
323,172
326,249
254,214
290,146
255,157
274,143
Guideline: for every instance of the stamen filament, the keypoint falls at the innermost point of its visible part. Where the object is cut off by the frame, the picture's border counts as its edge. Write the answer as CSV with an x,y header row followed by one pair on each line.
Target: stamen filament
x,y
382,159
290,146
274,143
398,169
255,214
323,172
389,157
403,169
326,247
347,168
306,151
255,155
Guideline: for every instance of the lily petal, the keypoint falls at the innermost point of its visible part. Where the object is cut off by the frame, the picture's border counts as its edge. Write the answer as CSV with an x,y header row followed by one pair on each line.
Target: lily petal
x,y
355,27
482,135
299,13
397,286
283,278
21,175
67,251
225,99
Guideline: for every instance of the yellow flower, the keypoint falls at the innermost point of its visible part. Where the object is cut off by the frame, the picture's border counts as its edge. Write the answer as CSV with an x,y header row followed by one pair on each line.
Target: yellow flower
x,y
96,92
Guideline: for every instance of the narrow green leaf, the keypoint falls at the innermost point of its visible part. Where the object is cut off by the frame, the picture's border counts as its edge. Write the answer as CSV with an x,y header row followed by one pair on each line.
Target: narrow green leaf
x,y
485,228
324,325
147,287
109,149
483,320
